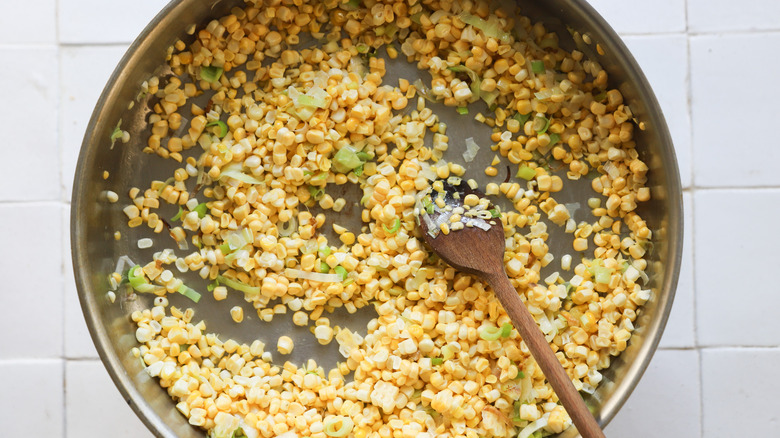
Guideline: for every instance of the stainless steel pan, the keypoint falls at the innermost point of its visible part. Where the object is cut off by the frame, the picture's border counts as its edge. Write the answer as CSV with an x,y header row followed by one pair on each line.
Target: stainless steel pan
x,y
94,221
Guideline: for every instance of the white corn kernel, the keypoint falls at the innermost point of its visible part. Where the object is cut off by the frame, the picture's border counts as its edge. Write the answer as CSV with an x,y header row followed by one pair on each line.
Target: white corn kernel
x,y
237,313
284,345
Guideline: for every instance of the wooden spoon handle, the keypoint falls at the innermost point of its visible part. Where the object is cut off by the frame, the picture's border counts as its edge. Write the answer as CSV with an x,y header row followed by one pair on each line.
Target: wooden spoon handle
x,y
561,383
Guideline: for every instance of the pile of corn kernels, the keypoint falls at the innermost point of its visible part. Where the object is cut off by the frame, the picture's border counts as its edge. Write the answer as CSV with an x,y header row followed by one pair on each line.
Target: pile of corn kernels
x,y
264,126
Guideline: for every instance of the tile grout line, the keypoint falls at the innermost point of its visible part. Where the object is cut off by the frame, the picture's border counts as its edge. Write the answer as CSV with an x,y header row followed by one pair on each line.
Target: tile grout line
x,y
33,202
694,189
732,32
79,44
738,347
63,201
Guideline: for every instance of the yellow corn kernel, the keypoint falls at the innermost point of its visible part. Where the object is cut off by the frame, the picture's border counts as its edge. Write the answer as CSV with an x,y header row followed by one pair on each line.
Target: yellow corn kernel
x,y
580,244
347,238
237,313
285,345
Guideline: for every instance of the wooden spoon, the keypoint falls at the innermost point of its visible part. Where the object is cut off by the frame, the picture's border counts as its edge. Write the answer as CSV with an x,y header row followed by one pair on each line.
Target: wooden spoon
x,y
481,253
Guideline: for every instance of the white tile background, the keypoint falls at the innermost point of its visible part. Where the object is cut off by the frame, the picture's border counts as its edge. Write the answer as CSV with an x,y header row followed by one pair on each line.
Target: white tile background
x,y
714,67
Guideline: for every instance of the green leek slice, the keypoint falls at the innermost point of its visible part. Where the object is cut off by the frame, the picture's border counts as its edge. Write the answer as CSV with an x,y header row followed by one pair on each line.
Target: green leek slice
x,y
201,209
178,215
342,271
189,292
396,226
522,118
506,330
210,73
490,333
223,127
239,286
135,276
526,173
346,159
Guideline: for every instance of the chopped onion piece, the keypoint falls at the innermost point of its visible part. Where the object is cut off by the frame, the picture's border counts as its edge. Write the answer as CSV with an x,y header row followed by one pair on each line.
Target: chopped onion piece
x,y
481,224
533,427
572,207
239,238
315,97
267,260
476,82
427,172
122,262
423,90
346,425
644,277
240,176
309,247
491,28
430,225
544,94
287,228
588,389
313,276
611,170
513,389
631,274
471,150
348,341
